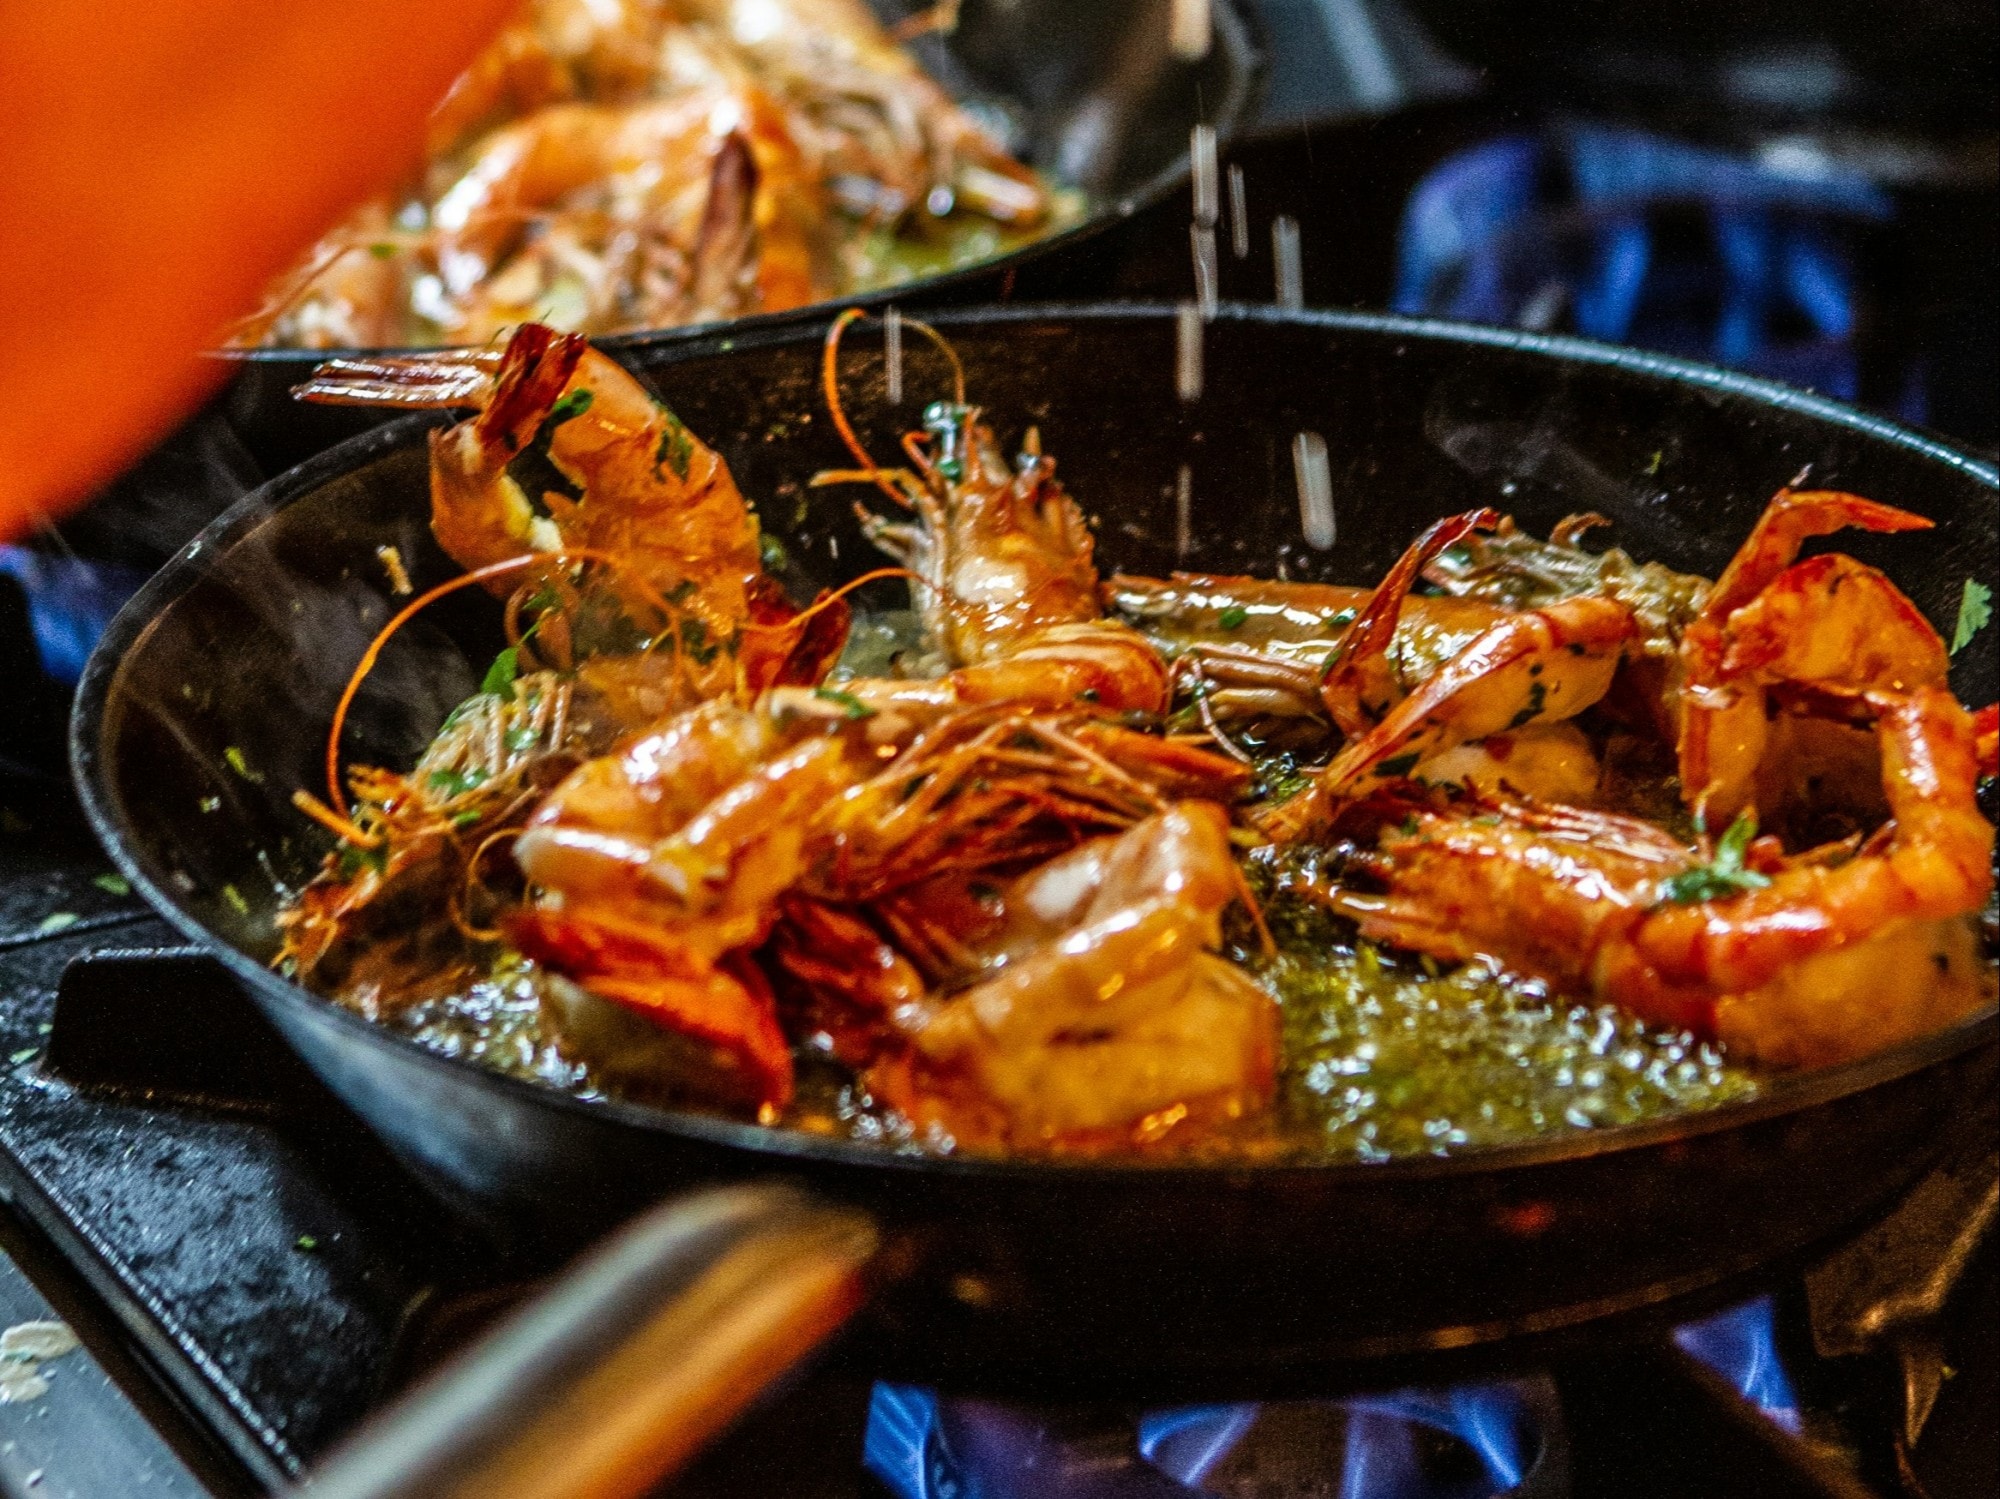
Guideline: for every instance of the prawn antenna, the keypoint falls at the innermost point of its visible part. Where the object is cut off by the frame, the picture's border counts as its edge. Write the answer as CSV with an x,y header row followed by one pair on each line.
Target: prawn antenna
x,y
830,385
422,602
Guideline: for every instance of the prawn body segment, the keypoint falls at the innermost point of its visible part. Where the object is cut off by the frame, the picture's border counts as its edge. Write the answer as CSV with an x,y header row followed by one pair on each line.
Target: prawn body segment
x,y
1116,1019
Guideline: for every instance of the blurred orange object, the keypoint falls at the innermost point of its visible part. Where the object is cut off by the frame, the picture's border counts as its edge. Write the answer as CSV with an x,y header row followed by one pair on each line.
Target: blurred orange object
x,y
158,164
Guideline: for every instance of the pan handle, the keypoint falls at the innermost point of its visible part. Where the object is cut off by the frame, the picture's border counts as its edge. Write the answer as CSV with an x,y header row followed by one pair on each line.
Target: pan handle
x,y
639,1355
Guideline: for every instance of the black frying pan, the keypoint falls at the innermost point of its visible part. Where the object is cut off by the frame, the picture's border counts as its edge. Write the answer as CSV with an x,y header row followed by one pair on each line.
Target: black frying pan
x,y
1090,94
1060,1274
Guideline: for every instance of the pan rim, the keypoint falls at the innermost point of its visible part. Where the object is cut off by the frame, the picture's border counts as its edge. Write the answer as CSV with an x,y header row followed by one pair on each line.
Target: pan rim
x,y
1785,1095
1238,34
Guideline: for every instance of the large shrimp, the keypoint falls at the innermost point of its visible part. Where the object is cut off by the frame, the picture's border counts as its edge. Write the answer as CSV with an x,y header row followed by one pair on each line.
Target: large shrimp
x,y
1816,958
689,208
1529,670
1774,631
874,118
1258,649
654,498
661,865
1099,1013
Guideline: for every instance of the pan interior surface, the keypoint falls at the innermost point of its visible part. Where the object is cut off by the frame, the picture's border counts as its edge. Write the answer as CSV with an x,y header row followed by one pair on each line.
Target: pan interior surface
x,y
192,766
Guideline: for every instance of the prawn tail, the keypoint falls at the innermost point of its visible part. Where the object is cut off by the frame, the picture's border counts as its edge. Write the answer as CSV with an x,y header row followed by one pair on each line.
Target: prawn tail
x,y
1793,518
726,242
1358,669
463,377
533,373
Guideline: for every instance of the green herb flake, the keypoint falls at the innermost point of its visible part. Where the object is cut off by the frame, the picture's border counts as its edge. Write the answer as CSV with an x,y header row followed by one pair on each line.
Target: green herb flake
x,y
1235,617
851,705
501,674
1401,765
210,804
1339,621
382,250
112,884
521,739
463,820
306,1243
450,783
1537,696
1975,610
236,901
1724,875
573,404
57,921
676,448
25,1054
233,758
771,552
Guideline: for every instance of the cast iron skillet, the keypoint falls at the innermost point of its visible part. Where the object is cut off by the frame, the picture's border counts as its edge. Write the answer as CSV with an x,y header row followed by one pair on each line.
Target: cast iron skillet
x,y
1091,95
206,704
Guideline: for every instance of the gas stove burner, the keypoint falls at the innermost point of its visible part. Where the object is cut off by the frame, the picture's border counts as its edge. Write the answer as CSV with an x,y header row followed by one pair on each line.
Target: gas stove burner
x,y
1639,238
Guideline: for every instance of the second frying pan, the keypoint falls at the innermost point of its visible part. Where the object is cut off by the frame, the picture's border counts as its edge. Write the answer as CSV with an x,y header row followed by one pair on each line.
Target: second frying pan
x,y
1010,1272
1091,95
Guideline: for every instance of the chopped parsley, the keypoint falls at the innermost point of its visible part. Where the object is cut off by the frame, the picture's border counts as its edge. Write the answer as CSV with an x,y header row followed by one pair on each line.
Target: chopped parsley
x,y
305,1242
676,448
501,674
1400,765
771,552
57,921
236,901
112,884
520,739
233,758
1975,609
1537,696
1725,875
695,641
851,705
573,404
1233,618
25,1054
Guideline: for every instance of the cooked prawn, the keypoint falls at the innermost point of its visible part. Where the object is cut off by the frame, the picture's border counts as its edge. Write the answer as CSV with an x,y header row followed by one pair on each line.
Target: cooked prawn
x,y
684,844
1111,1019
1001,563
1828,955
653,495
1829,624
